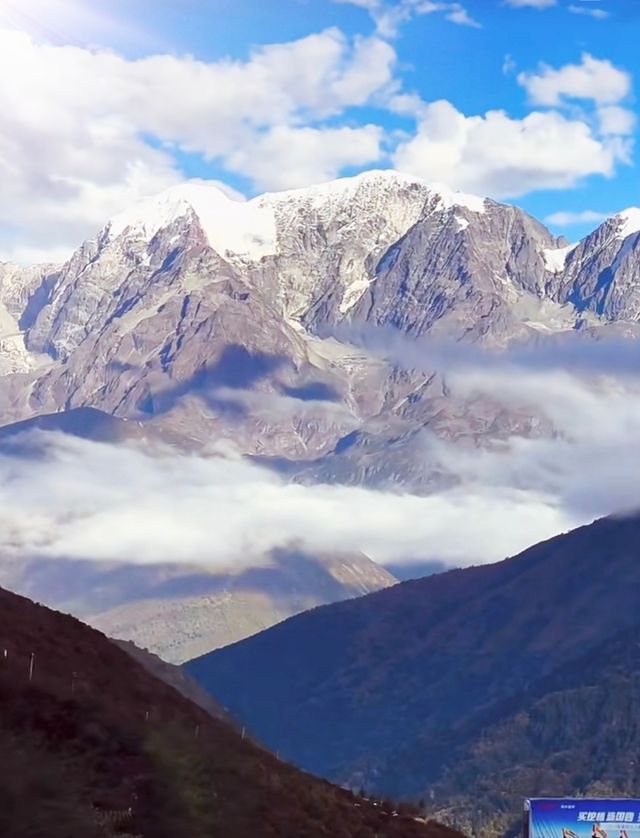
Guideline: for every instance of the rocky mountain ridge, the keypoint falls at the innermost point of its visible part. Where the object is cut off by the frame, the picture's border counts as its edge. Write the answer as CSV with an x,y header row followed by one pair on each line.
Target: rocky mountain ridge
x,y
217,319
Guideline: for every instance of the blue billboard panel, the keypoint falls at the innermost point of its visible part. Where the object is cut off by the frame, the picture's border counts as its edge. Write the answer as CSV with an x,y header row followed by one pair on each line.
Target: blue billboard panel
x,y
564,818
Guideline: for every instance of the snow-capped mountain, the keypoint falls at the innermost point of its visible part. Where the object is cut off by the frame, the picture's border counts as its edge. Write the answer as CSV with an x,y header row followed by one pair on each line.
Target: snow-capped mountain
x,y
221,319
602,272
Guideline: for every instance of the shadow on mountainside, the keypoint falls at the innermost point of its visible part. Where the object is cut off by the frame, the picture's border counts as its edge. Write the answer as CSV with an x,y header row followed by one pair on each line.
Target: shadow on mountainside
x,y
88,587
236,369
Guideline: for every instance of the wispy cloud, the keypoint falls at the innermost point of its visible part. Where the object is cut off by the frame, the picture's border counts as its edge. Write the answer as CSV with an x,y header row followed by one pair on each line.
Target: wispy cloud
x,y
567,218
531,4
389,17
597,14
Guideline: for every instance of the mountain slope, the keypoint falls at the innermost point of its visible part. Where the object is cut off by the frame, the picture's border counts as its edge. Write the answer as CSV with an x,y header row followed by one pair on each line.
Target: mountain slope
x,y
345,690
574,732
206,611
93,744
179,611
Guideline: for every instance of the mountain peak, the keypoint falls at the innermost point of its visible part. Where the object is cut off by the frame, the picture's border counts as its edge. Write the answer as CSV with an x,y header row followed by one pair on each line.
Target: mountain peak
x,y
245,228
378,179
248,228
628,222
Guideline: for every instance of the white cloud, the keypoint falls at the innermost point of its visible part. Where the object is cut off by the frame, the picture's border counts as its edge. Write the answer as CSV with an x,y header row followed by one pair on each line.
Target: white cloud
x,y
594,79
586,467
531,4
92,501
598,14
503,157
73,142
88,132
567,219
614,120
458,14
288,157
390,16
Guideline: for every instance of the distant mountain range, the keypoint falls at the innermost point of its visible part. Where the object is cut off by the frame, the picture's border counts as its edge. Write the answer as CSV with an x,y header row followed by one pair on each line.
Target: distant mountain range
x,y
469,689
93,744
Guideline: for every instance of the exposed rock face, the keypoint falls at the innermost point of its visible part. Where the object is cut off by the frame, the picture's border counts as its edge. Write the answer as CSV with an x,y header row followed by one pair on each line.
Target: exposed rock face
x,y
23,292
212,320
602,272
219,320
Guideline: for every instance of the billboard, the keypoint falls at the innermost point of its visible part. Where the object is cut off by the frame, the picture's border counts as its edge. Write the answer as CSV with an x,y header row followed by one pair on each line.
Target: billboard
x,y
574,818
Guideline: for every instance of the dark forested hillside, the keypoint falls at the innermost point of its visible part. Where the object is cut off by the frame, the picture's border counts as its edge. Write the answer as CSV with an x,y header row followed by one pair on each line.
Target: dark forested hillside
x,y
93,745
576,732
379,691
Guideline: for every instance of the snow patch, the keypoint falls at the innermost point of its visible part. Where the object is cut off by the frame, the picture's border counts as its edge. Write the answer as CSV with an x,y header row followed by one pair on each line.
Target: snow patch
x,y
248,228
628,222
346,186
556,259
236,227
353,293
447,199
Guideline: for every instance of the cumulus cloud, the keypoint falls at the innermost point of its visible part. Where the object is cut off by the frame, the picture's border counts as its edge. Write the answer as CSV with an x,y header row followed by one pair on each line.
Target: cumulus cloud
x,y
286,157
554,147
497,155
87,132
614,120
74,146
594,79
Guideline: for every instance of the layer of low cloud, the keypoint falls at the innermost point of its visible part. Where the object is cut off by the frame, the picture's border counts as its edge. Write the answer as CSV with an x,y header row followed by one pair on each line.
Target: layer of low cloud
x,y
88,500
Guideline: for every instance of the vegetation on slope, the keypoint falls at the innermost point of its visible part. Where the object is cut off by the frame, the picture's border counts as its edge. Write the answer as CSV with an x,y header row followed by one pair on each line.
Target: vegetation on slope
x,y
427,687
576,732
93,745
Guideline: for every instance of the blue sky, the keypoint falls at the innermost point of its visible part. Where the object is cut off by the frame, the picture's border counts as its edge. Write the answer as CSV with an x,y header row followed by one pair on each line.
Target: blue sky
x,y
530,101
